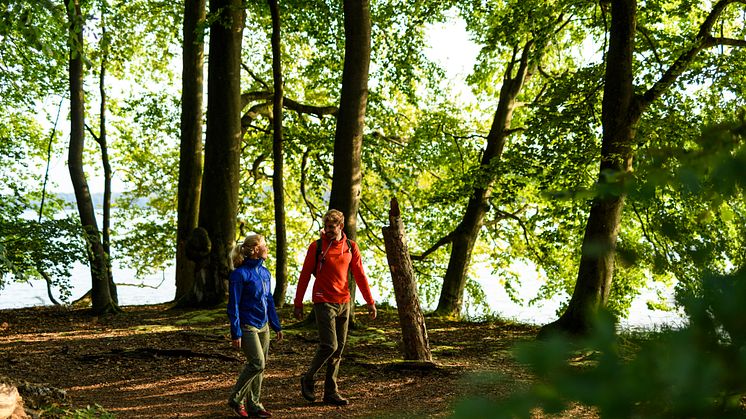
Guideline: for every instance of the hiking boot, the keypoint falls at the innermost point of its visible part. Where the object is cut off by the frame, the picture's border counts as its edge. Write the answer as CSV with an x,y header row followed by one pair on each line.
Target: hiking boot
x,y
261,413
238,409
336,400
306,388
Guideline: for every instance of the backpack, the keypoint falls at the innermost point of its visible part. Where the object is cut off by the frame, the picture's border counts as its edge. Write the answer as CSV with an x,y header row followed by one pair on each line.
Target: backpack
x,y
318,253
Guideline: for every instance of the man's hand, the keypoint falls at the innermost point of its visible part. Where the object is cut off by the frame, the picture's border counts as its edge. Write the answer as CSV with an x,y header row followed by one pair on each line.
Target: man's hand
x,y
236,343
279,336
298,313
372,311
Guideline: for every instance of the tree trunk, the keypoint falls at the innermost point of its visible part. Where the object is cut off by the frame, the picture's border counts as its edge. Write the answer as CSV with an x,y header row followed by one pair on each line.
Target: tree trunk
x,y
621,112
414,332
620,116
348,139
190,150
102,301
219,197
467,232
278,183
102,141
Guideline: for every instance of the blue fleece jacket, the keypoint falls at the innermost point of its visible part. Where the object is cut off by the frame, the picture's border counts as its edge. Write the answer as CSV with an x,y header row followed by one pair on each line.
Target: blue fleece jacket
x,y
249,298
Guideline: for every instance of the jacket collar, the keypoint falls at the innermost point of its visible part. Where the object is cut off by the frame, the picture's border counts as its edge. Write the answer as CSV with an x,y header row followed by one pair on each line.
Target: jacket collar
x,y
252,263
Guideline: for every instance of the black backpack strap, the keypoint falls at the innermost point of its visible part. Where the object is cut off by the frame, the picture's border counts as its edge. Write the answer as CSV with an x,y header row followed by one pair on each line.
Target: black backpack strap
x,y
318,254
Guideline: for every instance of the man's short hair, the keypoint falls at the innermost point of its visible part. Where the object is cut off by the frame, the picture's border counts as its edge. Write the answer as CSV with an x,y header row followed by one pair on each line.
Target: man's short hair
x,y
334,216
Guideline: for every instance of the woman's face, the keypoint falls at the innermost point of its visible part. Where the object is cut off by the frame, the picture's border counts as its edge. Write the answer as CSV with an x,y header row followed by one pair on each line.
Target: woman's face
x,y
262,251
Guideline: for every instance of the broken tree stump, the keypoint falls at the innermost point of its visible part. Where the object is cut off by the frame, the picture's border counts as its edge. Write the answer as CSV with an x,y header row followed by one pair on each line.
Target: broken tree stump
x,y
414,333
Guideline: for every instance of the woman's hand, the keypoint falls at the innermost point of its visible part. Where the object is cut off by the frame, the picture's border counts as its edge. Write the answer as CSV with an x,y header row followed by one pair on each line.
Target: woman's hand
x,y
278,334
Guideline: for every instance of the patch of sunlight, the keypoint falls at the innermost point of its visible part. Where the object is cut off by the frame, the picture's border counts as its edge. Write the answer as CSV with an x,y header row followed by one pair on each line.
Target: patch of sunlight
x,y
445,350
91,334
443,329
202,316
154,328
370,336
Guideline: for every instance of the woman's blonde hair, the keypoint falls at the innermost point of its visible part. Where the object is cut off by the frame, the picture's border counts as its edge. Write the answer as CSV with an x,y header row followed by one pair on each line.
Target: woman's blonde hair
x,y
248,249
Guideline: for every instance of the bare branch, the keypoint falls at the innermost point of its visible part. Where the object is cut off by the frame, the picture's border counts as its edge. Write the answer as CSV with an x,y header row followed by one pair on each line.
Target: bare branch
x,y
646,35
377,241
399,141
513,130
440,243
514,216
267,96
303,167
729,41
255,168
319,111
95,137
703,40
255,77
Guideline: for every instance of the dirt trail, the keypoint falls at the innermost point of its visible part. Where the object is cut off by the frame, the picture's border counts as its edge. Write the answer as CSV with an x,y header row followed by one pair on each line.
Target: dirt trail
x,y
158,363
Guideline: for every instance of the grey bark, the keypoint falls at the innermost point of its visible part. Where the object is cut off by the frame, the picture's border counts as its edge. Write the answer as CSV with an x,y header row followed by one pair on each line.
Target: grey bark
x,y
348,139
190,149
415,344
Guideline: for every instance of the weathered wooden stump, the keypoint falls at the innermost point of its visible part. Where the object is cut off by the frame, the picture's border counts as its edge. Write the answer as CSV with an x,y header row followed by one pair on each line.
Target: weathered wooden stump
x,y
414,332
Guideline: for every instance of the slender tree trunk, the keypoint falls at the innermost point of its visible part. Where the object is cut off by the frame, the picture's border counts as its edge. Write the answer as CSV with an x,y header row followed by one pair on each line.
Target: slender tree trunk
x,y
467,232
416,346
219,198
348,139
278,183
39,267
190,150
102,301
102,141
620,116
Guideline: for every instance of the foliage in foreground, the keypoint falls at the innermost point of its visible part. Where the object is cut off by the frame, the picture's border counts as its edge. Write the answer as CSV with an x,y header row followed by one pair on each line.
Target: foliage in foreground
x,y
696,371
90,412
693,372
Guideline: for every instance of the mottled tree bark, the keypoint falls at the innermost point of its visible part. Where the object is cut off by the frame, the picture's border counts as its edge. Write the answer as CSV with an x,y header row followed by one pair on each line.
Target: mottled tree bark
x,y
190,149
621,112
348,139
220,182
278,183
467,231
415,344
101,299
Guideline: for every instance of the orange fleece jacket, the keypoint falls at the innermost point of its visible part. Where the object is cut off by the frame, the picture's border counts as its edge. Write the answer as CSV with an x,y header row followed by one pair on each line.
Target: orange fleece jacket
x,y
331,273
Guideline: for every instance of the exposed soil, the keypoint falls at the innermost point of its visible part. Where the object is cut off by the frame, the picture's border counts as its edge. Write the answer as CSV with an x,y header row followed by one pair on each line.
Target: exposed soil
x,y
158,363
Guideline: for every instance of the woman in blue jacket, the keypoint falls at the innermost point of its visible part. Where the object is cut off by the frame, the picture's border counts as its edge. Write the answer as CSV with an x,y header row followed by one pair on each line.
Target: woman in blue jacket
x,y
251,311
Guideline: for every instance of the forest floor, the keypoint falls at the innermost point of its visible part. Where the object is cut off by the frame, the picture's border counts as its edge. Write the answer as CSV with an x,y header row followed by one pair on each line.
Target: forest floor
x,y
158,363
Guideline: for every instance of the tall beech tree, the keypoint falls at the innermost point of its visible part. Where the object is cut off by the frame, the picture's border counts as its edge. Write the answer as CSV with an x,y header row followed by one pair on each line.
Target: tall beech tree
x,y
219,195
348,138
190,149
101,293
526,42
462,239
622,108
278,174
103,144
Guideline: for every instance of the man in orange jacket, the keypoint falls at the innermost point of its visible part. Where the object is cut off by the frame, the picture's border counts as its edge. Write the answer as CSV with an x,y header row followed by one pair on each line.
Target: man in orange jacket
x,y
329,259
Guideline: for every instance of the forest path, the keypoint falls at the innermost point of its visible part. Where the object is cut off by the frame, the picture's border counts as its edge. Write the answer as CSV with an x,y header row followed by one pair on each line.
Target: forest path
x,y
158,363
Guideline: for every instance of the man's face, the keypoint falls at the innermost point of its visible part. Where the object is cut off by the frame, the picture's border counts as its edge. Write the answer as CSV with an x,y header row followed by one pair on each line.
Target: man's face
x,y
332,230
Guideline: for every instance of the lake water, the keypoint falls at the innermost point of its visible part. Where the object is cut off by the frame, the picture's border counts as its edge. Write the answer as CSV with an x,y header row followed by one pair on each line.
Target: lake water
x,y
160,288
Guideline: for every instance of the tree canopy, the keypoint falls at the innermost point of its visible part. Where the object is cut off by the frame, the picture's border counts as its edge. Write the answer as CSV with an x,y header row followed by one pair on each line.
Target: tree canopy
x,y
422,142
